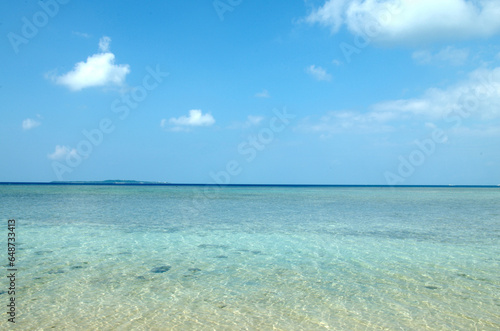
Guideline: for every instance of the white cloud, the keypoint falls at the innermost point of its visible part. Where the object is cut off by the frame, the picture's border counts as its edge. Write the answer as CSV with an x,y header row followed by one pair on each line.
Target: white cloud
x,y
104,44
99,70
30,123
411,22
318,73
263,94
195,118
478,96
350,121
330,14
62,152
183,123
448,55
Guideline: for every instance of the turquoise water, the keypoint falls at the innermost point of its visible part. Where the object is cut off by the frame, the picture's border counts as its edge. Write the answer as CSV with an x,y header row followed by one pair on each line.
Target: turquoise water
x,y
254,258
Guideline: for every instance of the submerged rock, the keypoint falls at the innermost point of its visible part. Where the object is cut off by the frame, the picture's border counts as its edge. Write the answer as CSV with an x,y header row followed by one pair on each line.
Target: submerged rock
x,y
160,270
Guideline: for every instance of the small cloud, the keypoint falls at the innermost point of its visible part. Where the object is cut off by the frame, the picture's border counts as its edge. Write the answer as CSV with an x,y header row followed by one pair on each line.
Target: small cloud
x,y
331,14
349,121
318,73
263,94
453,55
422,57
448,55
30,123
195,118
250,121
104,44
337,62
254,120
81,34
99,70
430,125
62,152
183,123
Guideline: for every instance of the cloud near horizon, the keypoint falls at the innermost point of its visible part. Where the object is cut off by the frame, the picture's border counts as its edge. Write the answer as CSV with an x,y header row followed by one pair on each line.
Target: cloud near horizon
x,y
98,70
348,121
477,97
410,22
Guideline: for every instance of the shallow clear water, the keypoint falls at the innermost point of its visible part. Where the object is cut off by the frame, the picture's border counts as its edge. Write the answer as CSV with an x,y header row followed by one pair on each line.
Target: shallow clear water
x,y
257,258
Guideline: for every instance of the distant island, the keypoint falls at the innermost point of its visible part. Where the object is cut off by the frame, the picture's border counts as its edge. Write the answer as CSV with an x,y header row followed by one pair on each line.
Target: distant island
x,y
110,182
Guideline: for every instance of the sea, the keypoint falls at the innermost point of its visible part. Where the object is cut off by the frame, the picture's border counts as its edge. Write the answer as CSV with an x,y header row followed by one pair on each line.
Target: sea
x,y
187,257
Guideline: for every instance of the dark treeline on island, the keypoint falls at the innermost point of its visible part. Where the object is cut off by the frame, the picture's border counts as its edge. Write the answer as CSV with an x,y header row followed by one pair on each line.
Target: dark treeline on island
x,y
110,182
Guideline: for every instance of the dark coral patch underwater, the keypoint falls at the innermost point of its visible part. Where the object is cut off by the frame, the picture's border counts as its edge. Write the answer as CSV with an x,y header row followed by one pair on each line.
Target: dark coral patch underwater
x,y
160,270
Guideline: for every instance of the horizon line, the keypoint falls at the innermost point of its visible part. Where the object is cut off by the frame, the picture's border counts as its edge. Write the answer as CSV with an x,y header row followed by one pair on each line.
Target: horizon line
x,y
149,183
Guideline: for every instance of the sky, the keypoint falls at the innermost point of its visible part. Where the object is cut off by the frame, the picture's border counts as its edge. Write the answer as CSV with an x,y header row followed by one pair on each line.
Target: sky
x,y
387,92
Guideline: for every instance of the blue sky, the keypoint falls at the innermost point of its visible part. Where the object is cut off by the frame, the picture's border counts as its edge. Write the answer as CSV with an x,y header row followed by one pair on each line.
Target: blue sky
x,y
284,92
